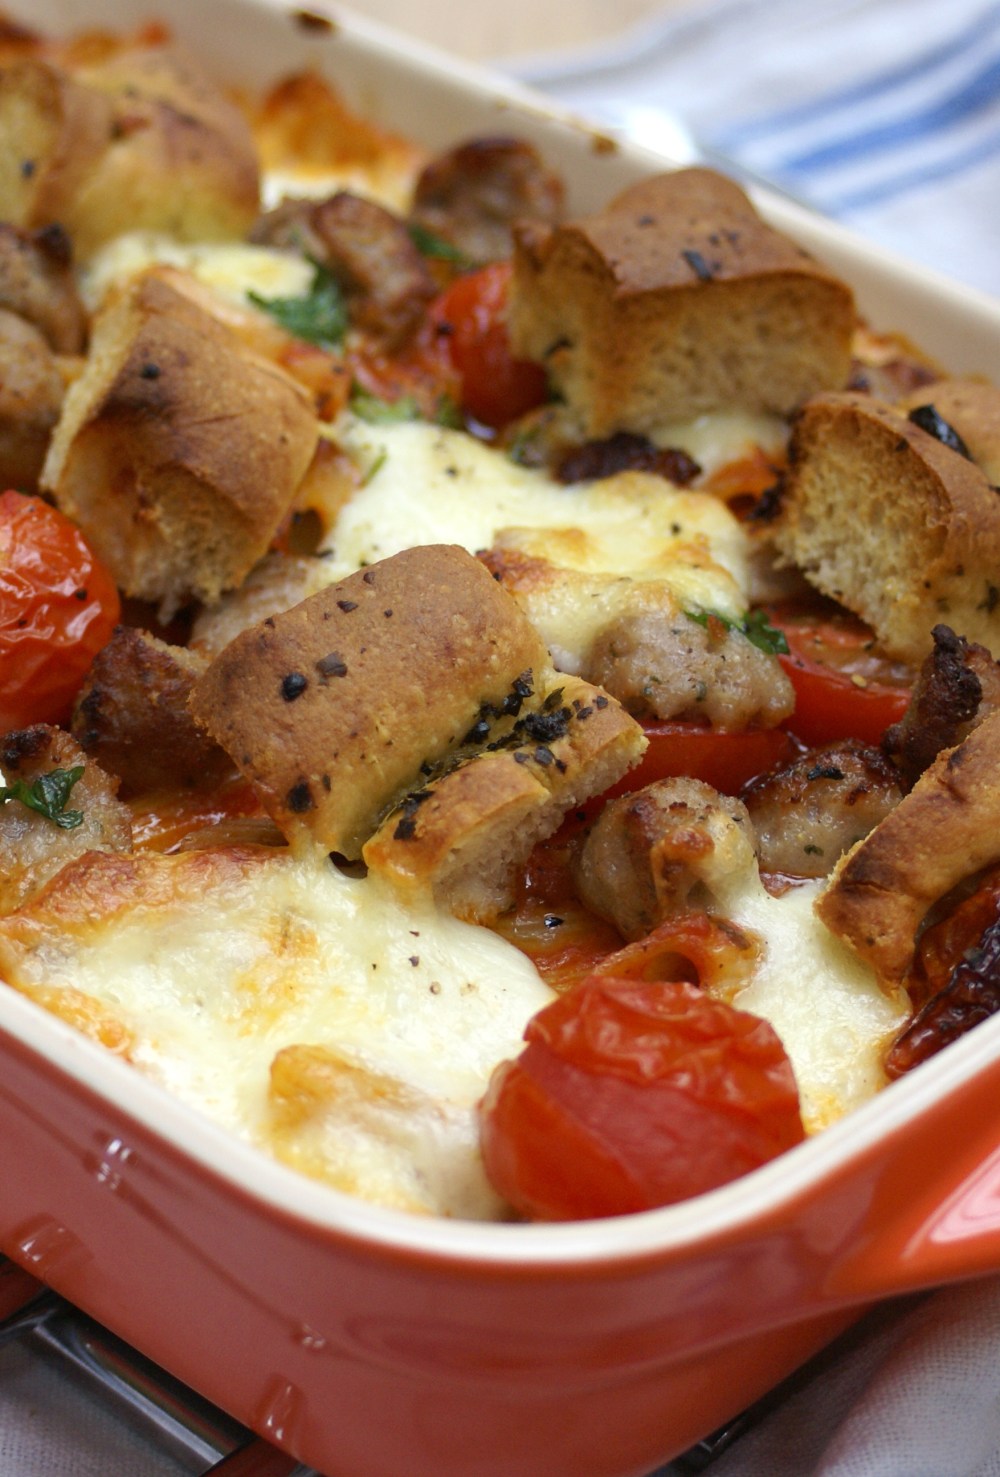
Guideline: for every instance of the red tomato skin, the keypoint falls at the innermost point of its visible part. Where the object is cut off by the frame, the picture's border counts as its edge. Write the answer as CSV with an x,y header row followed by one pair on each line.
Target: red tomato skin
x,y
632,1094
829,706
58,607
830,703
496,388
724,760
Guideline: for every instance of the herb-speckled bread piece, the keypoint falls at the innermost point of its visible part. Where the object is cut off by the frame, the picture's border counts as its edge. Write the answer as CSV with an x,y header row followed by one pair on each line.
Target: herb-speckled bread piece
x,y
336,708
898,527
675,300
466,837
179,451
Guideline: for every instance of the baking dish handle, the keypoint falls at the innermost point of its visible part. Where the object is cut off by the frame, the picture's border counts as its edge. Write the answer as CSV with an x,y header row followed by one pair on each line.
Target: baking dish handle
x,y
950,1232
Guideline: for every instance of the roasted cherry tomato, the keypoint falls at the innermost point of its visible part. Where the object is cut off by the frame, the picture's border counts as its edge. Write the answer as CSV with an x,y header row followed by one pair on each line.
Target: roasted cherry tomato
x,y
843,688
632,1094
58,607
471,315
724,760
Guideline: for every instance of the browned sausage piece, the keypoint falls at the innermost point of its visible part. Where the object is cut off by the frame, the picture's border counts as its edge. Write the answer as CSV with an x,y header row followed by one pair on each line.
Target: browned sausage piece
x,y
472,195
386,281
658,852
807,814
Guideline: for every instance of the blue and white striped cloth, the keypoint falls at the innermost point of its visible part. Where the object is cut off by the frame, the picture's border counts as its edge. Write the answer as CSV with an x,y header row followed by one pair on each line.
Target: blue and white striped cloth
x,y
884,113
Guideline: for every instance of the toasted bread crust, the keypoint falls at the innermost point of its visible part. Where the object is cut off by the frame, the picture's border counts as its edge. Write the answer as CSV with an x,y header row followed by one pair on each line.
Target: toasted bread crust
x,y
675,300
143,140
972,408
946,829
333,707
179,451
466,836
892,523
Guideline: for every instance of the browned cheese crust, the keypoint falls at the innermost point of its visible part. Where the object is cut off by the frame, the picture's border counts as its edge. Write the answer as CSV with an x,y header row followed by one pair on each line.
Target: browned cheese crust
x,y
892,523
179,450
675,300
335,707
945,830
465,838
143,141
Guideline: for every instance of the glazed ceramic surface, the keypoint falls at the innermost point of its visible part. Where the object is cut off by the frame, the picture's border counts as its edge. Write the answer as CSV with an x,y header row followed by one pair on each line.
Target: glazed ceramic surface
x,y
370,1343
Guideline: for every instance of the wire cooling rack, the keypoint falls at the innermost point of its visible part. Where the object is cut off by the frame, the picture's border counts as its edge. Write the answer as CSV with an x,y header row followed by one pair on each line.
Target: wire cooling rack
x,y
193,1436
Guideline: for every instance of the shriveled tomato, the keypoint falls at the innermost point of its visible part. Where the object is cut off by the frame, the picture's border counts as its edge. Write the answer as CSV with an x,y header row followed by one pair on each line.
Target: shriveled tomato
x,y
843,687
632,1094
58,607
723,760
471,315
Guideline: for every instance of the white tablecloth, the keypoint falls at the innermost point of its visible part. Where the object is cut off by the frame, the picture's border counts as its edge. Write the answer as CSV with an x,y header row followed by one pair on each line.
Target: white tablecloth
x,y
885,113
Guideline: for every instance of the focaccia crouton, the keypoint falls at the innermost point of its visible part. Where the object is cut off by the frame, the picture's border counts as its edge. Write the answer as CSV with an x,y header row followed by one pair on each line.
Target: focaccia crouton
x,y
132,716
971,408
675,300
465,837
33,848
336,708
898,527
179,451
946,829
142,141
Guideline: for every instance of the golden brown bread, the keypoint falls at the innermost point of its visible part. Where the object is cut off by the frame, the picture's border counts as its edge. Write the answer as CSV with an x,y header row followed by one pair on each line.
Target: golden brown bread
x,y
131,715
946,829
675,300
179,451
896,526
339,706
141,141
465,837
972,408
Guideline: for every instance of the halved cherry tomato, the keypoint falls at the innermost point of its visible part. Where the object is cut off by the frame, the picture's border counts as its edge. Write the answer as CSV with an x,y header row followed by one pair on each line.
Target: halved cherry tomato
x,y
58,607
471,315
843,688
632,1094
722,759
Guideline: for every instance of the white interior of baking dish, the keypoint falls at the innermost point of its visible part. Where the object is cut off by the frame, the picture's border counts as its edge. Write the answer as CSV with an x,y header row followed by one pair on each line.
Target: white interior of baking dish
x,y
438,100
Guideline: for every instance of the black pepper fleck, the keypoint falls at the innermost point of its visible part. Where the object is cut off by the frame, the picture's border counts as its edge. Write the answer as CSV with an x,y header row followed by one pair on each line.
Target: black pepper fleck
x,y
332,665
299,798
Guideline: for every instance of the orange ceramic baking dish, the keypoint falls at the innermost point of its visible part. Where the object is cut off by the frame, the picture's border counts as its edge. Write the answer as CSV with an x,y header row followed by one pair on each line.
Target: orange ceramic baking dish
x,y
371,1343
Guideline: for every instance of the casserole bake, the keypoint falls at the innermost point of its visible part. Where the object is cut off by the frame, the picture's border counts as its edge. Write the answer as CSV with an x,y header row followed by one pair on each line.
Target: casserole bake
x,y
378,1342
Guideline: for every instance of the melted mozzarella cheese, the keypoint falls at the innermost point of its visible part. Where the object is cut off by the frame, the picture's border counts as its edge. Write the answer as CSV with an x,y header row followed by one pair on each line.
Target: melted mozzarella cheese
x,y
427,484
833,1019
391,1017
232,268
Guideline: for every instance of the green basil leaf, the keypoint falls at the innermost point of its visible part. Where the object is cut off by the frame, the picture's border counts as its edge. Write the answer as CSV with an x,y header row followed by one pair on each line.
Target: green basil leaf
x,y
319,317
48,796
754,626
429,243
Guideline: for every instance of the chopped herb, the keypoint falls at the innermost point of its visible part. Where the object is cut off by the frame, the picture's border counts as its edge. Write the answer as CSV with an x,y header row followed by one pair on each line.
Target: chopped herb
x,y
48,795
319,316
754,626
429,243
382,412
